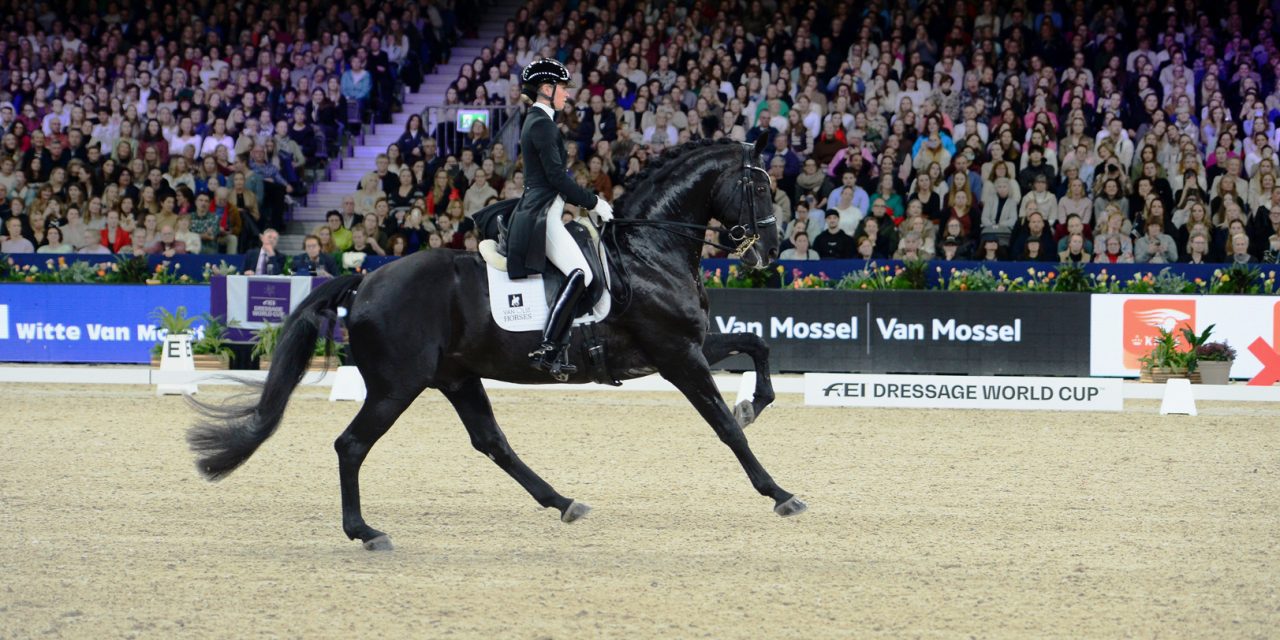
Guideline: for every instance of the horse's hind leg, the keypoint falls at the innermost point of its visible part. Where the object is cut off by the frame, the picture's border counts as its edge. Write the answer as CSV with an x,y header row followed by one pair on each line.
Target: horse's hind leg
x,y
719,346
472,404
374,419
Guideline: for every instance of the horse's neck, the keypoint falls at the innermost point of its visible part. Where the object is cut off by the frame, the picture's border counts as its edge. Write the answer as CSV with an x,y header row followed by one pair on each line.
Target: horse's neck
x,y
687,201
682,195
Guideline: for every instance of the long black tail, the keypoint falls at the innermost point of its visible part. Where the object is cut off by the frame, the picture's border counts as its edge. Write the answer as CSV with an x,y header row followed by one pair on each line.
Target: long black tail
x,y
230,433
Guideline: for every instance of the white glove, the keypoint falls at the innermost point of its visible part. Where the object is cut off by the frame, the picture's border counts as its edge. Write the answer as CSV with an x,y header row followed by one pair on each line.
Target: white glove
x,y
603,209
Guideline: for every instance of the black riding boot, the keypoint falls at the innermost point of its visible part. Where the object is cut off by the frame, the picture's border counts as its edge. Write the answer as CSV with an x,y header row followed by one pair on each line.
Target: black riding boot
x,y
550,355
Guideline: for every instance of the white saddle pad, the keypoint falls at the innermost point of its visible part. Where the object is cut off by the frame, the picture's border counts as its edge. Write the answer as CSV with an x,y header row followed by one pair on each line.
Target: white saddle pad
x,y
521,305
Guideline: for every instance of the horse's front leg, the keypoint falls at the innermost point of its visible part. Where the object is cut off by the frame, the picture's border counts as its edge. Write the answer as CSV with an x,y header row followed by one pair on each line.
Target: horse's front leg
x,y
719,346
690,374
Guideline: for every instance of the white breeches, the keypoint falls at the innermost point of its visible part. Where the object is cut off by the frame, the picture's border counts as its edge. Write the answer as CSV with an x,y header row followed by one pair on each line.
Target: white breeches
x,y
562,251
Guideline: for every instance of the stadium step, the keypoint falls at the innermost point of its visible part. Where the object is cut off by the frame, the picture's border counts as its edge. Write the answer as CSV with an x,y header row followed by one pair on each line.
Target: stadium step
x,y
344,187
346,174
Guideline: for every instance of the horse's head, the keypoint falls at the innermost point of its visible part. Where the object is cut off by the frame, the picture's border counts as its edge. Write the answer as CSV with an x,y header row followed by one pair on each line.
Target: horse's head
x,y
745,200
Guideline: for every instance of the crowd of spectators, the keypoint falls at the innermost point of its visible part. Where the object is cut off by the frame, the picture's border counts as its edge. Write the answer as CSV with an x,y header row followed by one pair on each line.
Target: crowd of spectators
x,y
1073,131
171,128
1070,130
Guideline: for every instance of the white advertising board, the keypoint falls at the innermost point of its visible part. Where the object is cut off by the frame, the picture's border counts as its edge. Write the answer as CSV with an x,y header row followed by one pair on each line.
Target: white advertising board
x,y
963,392
1124,326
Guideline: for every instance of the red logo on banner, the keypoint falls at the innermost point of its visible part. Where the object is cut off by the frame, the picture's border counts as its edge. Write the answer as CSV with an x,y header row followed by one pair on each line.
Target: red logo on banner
x,y
1275,320
1143,320
1270,360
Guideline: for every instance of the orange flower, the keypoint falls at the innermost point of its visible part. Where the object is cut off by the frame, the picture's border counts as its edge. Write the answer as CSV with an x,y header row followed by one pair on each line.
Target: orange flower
x,y
964,287
1051,275
159,268
101,273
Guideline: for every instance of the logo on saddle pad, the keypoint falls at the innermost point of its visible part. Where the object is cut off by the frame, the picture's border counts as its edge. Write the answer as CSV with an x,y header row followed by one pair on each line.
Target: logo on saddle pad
x,y
515,300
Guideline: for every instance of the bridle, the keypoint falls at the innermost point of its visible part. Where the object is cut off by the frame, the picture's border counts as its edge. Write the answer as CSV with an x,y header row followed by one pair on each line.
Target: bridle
x,y
744,234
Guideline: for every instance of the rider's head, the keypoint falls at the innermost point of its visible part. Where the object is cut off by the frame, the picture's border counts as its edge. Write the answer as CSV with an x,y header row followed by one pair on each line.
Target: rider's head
x,y
545,81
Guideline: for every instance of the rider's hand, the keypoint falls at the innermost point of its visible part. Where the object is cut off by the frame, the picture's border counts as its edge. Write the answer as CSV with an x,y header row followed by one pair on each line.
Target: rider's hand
x,y
603,209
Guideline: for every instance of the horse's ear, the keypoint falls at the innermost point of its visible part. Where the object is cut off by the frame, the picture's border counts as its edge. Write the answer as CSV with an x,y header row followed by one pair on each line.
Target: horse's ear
x,y
761,143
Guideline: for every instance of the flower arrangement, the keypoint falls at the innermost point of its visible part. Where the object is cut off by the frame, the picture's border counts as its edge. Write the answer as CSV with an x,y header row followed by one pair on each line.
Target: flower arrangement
x,y
712,279
1072,278
1240,279
268,338
980,279
129,270
911,275
1214,360
811,281
873,277
1035,281
166,274
748,278
1167,355
119,270
1215,352
223,269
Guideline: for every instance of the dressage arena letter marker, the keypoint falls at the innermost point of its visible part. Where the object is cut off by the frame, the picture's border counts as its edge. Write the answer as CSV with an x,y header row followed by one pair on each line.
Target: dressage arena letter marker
x,y
175,356
746,387
347,385
1178,398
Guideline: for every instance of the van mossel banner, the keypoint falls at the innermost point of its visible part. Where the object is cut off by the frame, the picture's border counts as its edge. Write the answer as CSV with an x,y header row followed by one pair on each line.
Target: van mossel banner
x,y
89,322
964,392
936,332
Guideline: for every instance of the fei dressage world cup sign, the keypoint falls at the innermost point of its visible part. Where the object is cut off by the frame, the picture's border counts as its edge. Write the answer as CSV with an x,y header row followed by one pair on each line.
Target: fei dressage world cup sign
x,y
963,392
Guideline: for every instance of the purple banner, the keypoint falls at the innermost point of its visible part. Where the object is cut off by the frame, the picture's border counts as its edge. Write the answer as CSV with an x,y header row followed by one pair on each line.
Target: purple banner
x,y
268,301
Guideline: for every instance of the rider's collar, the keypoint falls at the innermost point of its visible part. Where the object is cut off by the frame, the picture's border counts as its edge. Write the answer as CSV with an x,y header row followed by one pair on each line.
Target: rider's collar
x,y
550,112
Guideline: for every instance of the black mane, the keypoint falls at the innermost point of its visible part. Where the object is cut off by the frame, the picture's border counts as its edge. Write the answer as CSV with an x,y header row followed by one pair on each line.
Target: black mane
x,y
662,161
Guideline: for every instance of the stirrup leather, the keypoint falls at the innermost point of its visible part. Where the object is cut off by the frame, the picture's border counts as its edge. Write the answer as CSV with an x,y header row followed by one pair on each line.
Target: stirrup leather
x,y
553,355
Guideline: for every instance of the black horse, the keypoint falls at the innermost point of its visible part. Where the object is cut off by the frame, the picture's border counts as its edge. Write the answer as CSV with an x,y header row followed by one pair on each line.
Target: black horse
x,y
424,321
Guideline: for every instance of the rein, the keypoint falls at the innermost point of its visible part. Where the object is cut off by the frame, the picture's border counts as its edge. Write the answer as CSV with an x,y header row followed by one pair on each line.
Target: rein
x,y
671,227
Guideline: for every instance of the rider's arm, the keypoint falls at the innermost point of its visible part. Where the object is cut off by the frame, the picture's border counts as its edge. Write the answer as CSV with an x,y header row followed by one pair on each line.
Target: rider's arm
x,y
546,144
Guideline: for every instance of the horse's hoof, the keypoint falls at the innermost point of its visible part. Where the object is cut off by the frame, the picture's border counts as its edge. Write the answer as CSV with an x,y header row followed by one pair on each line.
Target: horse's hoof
x,y
791,507
744,413
380,543
575,512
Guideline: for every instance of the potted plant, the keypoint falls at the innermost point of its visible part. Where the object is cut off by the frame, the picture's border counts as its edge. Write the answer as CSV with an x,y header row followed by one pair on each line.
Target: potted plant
x,y
268,337
264,343
1214,359
209,350
1166,360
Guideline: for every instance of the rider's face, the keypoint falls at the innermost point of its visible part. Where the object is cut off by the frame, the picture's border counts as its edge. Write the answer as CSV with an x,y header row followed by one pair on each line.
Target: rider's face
x,y
559,96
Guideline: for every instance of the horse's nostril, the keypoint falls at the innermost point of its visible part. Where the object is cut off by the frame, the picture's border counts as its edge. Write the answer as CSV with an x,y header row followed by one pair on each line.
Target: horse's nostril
x,y
773,253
